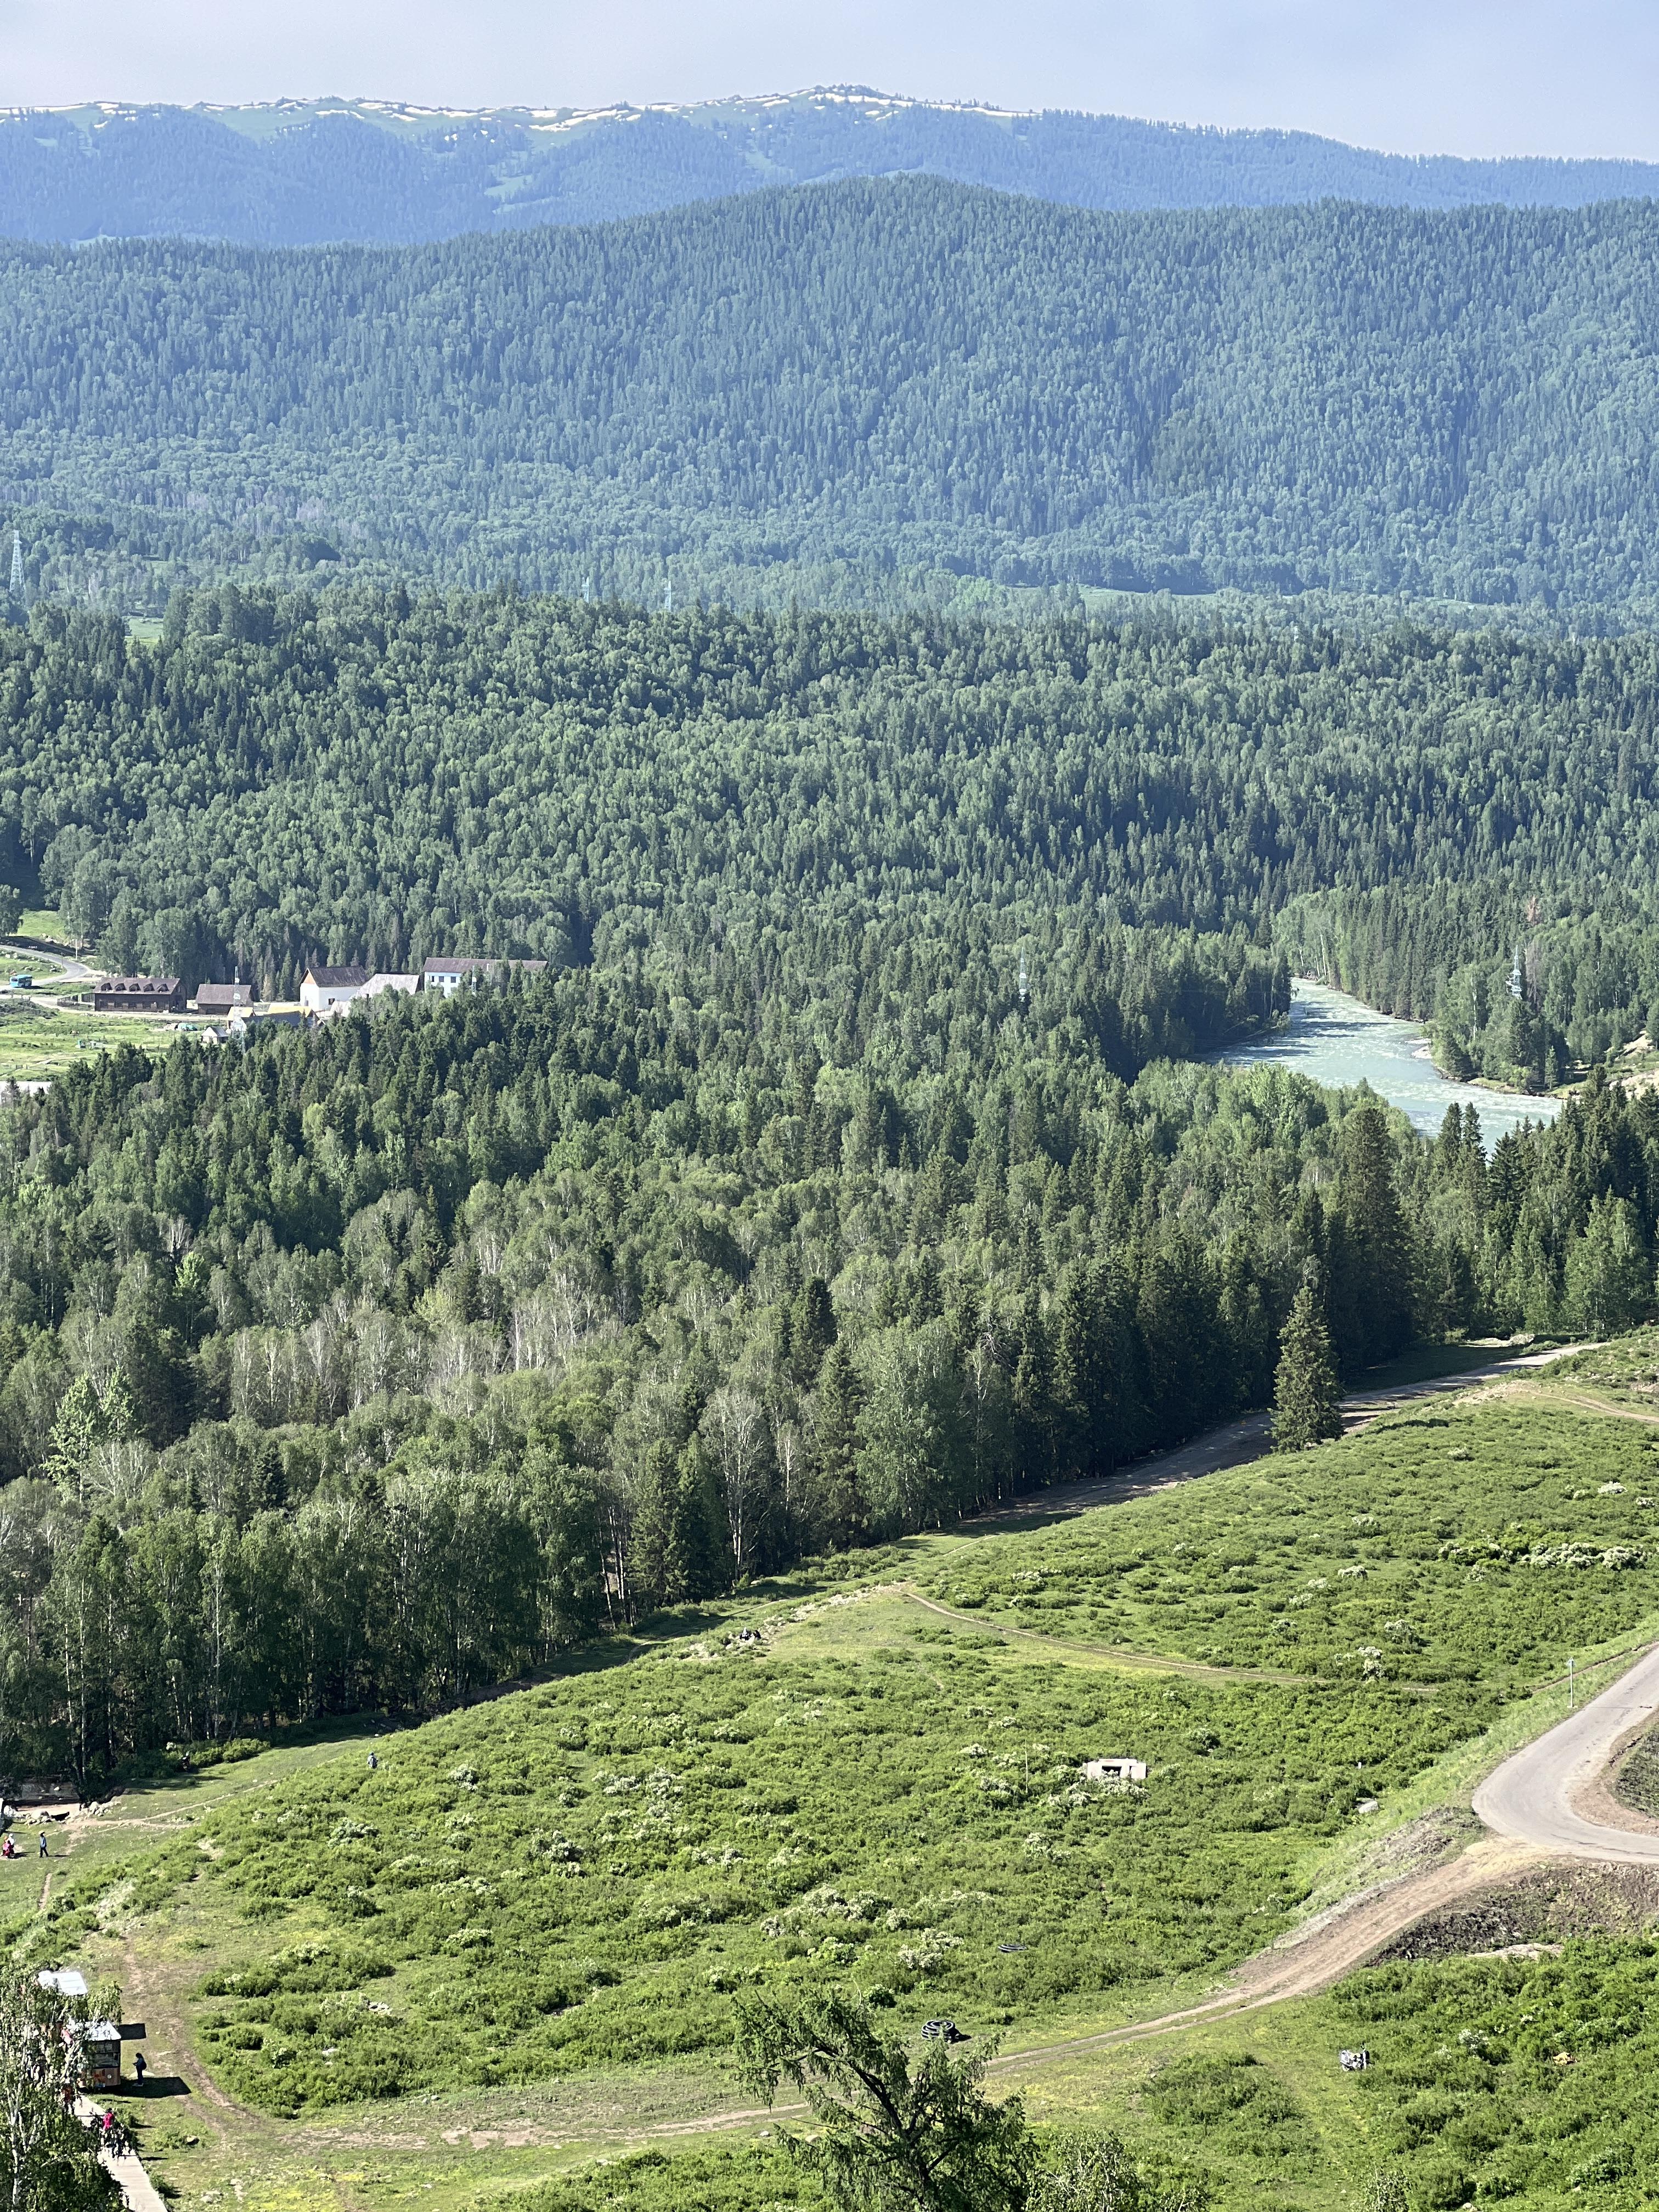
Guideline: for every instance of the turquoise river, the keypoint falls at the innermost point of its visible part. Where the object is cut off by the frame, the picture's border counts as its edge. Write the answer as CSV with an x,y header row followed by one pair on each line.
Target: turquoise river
x,y
1336,1040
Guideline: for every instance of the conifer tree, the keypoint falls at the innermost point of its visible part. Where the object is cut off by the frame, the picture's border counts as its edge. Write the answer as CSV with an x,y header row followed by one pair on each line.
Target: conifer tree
x,y
835,1453
1377,1255
653,1566
701,1553
1082,1379
814,1330
1034,1426
1609,1282
1306,1393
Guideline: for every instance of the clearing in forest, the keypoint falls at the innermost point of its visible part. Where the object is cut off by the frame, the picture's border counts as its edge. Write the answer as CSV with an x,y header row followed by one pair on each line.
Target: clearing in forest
x,y
528,1922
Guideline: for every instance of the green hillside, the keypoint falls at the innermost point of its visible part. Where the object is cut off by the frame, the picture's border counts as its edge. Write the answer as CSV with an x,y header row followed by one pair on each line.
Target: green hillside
x,y
906,373
578,1538
555,1903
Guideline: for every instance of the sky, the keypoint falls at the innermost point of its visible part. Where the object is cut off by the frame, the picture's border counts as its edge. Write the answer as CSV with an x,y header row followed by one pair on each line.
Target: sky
x,y
1459,76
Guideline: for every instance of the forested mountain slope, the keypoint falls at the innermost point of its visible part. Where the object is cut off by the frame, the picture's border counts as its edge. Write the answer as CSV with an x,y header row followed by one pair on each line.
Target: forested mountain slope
x,y
364,1366
367,775
840,1170
300,172
875,373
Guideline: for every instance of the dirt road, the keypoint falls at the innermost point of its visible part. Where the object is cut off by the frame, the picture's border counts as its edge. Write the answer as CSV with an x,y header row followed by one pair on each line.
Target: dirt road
x,y
1236,1443
69,969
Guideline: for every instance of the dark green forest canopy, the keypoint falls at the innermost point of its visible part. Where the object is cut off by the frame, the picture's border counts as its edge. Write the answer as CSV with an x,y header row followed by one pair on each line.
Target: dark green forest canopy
x,y
496,1292
1459,403
365,1366
846,1166
364,777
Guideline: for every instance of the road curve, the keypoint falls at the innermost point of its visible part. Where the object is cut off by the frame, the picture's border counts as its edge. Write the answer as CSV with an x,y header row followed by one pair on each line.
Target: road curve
x,y
69,969
1532,1796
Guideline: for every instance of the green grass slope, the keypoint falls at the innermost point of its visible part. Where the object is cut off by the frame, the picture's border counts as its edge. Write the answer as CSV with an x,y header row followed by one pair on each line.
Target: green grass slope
x,y
553,1898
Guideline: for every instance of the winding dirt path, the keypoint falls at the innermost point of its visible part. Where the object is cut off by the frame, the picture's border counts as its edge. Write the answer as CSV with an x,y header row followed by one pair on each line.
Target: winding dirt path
x,y
1235,1443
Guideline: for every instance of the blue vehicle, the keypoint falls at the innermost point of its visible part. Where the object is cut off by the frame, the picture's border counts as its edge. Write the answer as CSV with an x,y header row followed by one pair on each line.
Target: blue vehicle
x,y
23,982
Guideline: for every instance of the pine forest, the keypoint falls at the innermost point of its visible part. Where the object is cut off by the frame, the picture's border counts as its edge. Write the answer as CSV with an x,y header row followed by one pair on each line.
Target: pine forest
x,y
829,1165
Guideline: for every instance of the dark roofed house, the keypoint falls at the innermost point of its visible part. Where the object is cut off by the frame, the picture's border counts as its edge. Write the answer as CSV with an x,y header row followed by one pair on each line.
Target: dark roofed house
x,y
138,994
323,987
220,998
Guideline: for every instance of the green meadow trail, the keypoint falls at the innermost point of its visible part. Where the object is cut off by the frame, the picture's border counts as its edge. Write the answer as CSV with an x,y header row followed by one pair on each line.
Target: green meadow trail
x,y
1105,1654
1305,1960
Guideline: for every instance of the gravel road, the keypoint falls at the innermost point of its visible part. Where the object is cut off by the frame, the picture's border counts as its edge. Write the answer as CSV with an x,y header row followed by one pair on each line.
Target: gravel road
x,y
69,969
1250,1437
1535,1796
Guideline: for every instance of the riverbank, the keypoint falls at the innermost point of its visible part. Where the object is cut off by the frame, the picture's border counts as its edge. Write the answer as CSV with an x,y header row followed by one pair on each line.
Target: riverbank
x,y
1336,1040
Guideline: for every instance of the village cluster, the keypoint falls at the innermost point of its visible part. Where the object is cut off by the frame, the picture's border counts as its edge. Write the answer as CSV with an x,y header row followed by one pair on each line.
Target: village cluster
x,y
231,1009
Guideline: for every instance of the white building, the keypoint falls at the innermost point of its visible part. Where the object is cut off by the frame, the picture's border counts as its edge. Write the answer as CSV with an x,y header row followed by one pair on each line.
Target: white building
x,y
326,989
243,1021
450,971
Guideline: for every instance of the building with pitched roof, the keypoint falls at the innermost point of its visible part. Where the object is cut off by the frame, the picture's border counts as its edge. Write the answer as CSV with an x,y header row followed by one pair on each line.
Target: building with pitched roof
x,y
327,988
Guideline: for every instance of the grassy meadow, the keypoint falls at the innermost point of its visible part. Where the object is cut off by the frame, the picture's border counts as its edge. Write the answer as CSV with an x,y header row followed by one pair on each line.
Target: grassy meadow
x,y
1475,1546
514,1942
39,1038
39,1042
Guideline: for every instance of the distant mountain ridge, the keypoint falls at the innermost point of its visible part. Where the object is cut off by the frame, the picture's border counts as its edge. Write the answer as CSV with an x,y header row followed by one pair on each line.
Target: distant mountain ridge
x,y
879,374
299,172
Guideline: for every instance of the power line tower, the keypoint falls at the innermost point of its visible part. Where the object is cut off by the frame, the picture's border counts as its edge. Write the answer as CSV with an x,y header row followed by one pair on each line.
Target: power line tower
x,y
17,564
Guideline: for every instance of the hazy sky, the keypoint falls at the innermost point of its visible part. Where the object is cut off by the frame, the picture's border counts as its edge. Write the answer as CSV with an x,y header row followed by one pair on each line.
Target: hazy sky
x,y
1474,76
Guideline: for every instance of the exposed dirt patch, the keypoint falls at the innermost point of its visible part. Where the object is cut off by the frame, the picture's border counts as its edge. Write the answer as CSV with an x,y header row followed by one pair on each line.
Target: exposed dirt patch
x,y
1635,1779
158,1994
1608,1799
1432,1839
1549,1903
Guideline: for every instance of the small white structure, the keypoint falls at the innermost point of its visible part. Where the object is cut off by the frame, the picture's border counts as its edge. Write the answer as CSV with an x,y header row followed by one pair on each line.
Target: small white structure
x,y
1115,1770
378,987
449,970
